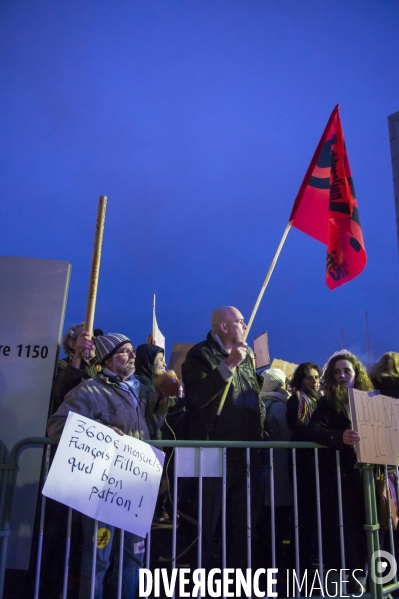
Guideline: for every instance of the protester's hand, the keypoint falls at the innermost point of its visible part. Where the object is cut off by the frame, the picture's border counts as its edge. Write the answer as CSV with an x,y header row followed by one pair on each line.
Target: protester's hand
x,y
350,437
237,355
117,430
84,347
85,342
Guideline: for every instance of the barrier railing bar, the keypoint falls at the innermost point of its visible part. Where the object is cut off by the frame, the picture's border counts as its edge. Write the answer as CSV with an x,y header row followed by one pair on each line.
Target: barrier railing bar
x,y
272,508
390,529
67,554
200,509
174,531
120,565
296,517
94,560
371,527
340,514
318,505
148,550
39,548
224,508
249,527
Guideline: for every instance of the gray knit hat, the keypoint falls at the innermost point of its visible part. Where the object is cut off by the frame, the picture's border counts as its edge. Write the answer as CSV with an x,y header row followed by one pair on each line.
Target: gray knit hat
x,y
106,345
273,379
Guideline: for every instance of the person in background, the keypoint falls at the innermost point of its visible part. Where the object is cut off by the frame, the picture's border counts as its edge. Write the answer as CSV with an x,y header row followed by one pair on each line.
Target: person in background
x,y
385,374
150,364
331,425
385,377
274,395
305,387
74,368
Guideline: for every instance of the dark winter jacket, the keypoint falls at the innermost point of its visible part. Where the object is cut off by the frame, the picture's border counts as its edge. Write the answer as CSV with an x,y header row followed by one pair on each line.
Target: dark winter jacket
x,y
103,400
326,427
67,378
277,428
387,385
204,383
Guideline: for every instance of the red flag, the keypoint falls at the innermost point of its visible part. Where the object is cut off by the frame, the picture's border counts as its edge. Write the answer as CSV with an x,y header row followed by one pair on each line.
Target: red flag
x,y
326,207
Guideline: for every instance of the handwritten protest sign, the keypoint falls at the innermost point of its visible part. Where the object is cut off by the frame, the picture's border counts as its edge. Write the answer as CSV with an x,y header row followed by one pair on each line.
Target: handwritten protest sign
x,y
376,419
111,478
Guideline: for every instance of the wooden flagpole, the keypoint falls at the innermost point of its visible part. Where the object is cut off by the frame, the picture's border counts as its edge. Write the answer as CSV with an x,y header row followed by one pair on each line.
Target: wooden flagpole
x,y
254,311
95,267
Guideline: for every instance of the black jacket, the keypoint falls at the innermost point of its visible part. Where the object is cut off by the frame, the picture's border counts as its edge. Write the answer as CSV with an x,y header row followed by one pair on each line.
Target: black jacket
x,y
326,427
67,377
387,385
240,419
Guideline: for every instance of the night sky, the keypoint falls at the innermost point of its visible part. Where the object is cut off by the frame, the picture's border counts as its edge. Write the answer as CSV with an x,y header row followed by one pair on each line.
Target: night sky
x,y
198,120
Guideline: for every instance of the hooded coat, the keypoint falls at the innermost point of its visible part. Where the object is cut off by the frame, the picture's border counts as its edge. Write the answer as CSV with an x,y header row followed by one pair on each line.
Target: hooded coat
x,y
145,357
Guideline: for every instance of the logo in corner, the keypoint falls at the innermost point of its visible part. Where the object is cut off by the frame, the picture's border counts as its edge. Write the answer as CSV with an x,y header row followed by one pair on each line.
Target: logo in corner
x,y
383,567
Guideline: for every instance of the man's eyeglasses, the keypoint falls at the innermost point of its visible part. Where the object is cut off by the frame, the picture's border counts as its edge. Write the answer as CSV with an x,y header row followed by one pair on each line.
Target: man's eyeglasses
x,y
125,352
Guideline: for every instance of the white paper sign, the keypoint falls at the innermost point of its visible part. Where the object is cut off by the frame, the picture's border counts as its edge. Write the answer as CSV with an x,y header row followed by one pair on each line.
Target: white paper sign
x,y
110,478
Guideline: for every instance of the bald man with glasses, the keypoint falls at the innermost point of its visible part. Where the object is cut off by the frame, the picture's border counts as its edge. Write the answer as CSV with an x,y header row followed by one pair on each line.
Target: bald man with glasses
x,y
224,357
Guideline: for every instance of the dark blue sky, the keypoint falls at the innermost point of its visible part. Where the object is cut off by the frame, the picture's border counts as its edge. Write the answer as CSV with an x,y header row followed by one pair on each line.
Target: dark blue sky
x,y
198,119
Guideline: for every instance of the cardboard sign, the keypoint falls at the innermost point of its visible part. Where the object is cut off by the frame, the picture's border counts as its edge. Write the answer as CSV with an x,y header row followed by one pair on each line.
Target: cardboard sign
x,y
376,419
261,351
179,353
111,478
287,367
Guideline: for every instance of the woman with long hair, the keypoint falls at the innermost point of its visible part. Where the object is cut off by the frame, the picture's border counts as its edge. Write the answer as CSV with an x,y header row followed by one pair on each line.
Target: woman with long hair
x,y
331,426
385,374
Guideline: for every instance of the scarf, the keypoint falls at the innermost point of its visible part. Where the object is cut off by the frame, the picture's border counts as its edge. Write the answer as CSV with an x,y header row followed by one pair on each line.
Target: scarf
x,y
307,402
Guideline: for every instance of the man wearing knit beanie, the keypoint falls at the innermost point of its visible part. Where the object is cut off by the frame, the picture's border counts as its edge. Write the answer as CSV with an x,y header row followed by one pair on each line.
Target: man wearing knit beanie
x,y
117,399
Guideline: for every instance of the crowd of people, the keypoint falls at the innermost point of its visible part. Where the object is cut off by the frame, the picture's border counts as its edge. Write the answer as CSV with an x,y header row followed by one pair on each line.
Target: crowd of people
x,y
104,378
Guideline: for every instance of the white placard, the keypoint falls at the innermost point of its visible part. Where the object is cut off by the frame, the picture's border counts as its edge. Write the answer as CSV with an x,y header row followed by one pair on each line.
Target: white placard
x,y
376,419
112,478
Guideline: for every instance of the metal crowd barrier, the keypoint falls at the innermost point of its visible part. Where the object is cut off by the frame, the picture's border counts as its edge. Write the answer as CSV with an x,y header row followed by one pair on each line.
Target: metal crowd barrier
x,y
198,459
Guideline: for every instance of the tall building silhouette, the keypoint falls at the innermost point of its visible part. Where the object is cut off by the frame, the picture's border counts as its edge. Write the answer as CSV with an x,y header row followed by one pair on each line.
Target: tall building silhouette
x,y
393,124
